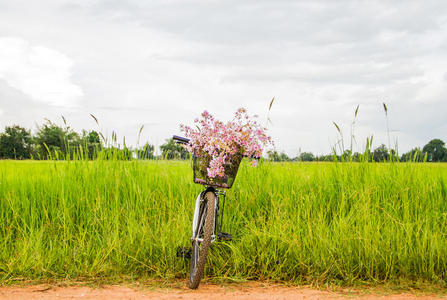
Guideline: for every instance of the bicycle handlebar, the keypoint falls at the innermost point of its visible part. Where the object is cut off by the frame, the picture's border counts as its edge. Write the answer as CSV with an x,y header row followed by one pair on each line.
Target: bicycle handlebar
x,y
180,140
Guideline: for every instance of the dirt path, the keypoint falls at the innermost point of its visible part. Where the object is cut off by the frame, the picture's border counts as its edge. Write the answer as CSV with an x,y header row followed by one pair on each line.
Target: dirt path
x,y
205,292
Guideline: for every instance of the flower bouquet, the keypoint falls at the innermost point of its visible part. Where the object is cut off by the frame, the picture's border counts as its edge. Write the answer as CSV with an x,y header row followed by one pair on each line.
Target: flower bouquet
x,y
218,148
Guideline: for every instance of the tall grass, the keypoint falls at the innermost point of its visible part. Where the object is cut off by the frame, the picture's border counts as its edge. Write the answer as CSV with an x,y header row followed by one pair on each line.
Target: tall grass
x,y
319,222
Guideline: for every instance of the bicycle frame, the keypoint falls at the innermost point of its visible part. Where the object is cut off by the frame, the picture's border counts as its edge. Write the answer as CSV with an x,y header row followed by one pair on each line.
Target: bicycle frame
x,y
217,218
204,232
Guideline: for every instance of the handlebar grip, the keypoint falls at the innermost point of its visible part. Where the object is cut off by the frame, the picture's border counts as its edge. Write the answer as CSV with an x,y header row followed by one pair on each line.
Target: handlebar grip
x,y
181,140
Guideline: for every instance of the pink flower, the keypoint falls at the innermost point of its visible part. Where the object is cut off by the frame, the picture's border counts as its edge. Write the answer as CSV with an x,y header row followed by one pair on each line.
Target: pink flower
x,y
242,136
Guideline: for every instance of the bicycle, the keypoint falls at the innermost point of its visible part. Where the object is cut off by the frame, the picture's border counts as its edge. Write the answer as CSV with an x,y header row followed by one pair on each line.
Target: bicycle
x,y
207,222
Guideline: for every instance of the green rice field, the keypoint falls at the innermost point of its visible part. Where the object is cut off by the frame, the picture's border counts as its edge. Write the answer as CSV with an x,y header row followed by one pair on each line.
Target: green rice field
x,y
339,223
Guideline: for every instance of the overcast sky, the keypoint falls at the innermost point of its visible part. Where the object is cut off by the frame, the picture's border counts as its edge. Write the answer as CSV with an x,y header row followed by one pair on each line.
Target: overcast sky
x,y
161,63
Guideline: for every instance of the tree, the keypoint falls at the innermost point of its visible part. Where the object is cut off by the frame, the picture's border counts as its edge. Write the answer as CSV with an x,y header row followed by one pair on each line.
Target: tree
x,y
414,155
328,157
91,142
346,156
273,155
172,150
306,156
283,156
51,139
357,157
394,156
435,150
381,153
92,137
147,152
15,143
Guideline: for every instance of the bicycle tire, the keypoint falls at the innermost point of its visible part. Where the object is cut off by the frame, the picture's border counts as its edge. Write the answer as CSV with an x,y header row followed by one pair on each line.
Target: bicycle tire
x,y
200,249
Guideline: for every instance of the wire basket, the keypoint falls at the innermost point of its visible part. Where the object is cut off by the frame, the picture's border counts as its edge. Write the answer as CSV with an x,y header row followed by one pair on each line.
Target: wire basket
x,y
201,163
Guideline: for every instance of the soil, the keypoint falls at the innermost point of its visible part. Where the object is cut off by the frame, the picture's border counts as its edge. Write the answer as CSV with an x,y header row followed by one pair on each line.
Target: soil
x,y
205,292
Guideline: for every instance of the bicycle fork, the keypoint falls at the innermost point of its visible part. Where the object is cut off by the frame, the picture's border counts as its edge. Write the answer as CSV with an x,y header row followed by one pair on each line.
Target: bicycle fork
x,y
218,217
185,252
198,215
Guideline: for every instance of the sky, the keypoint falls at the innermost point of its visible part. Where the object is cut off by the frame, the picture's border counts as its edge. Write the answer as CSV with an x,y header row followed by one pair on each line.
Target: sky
x,y
160,63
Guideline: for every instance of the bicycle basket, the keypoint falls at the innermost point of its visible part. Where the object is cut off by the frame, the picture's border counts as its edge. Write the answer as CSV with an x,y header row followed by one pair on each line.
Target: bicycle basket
x,y
201,164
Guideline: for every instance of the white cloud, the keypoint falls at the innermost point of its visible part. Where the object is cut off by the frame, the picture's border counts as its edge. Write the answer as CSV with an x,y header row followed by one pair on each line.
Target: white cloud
x,y
161,63
39,72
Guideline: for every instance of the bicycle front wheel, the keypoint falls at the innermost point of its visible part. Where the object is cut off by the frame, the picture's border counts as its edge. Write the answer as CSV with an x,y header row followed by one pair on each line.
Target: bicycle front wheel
x,y
202,239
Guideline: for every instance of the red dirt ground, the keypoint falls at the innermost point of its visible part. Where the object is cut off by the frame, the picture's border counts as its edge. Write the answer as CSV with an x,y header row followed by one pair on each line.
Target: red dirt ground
x,y
205,292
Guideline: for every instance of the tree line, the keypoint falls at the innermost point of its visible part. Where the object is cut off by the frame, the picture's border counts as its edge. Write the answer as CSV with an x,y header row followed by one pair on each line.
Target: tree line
x,y
433,151
52,141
